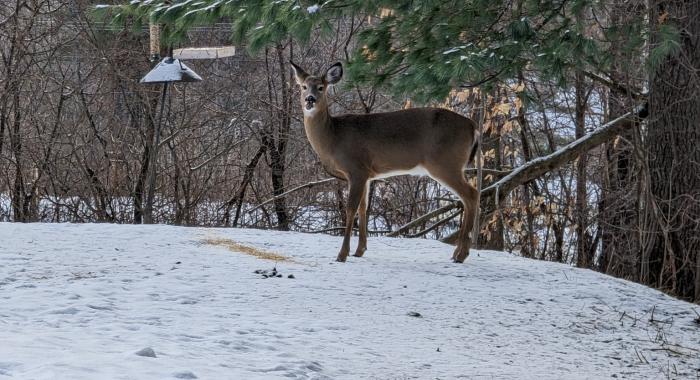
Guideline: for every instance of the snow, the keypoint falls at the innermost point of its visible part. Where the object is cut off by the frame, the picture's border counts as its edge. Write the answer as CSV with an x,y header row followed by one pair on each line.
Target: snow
x,y
450,51
312,9
100,301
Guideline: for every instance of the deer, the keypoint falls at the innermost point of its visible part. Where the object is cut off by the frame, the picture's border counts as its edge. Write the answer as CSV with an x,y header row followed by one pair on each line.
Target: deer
x,y
360,148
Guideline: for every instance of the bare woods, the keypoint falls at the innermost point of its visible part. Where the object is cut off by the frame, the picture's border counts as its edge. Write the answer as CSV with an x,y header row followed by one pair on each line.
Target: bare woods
x,y
77,132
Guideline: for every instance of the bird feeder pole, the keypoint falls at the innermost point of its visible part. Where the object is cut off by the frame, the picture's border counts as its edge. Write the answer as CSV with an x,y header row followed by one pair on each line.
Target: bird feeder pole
x,y
154,39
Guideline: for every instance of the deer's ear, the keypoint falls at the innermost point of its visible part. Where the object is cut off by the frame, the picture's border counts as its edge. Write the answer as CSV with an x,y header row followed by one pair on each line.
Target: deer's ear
x,y
299,73
334,73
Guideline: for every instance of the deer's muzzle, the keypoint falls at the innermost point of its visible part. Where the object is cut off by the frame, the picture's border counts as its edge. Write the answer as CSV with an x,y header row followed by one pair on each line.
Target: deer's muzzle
x,y
310,101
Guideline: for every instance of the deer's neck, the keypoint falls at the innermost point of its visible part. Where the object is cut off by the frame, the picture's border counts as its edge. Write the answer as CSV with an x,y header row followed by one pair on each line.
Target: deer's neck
x,y
318,127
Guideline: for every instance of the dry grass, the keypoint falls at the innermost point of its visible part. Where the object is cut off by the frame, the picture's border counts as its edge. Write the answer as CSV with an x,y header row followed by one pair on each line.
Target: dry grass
x,y
246,249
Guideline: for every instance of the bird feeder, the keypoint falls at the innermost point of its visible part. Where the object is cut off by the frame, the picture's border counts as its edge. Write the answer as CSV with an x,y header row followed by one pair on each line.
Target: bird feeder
x,y
170,70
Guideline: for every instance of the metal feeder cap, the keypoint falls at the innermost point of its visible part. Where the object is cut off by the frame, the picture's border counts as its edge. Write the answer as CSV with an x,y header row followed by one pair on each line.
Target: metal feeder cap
x,y
170,70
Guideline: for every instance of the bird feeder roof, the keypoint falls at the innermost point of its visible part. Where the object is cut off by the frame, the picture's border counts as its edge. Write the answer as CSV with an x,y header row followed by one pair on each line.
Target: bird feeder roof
x,y
170,70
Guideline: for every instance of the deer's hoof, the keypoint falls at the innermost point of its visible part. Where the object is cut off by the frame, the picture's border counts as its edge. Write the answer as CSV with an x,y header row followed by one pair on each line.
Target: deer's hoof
x,y
359,253
459,257
341,259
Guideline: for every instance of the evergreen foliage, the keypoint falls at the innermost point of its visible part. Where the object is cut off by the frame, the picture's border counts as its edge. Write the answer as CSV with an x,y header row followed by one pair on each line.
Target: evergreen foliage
x,y
432,45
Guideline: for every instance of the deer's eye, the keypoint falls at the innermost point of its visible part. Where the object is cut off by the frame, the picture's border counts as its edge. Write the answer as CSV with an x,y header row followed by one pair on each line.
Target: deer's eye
x,y
320,88
304,87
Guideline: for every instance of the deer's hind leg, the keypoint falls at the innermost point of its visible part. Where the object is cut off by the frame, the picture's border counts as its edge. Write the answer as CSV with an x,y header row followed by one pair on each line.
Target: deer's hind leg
x,y
453,179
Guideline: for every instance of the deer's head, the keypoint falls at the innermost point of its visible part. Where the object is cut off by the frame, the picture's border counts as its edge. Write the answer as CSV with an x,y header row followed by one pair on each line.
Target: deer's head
x,y
313,88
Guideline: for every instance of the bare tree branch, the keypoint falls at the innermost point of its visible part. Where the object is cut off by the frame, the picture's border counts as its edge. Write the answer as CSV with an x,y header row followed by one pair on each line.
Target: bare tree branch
x,y
636,94
403,229
304,186
435,225
342,228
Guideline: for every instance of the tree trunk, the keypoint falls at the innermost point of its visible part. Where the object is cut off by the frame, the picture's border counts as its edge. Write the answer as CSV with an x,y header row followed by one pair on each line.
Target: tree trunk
x,y
618,216
673,145
277,176
582,259
275,140
139,193
493,238
153,165
18,189
238,198
529,246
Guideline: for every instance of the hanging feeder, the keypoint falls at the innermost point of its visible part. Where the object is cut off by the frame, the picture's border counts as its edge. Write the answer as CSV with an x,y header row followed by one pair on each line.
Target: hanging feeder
x,y
205,52
170,70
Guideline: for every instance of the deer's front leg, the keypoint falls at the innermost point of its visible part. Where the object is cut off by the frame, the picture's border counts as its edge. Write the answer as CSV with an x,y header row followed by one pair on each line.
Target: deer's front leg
x,y
356,189
362,211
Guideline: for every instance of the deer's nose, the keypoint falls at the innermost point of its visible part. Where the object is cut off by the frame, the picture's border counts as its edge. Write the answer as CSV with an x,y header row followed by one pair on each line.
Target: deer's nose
x,y
310,98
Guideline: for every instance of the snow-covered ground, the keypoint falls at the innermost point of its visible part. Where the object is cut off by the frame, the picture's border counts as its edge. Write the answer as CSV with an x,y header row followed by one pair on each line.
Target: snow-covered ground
x,y
79,302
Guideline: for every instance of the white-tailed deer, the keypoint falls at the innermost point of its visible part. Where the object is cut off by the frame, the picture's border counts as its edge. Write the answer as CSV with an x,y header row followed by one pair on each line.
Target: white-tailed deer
x,y
361,148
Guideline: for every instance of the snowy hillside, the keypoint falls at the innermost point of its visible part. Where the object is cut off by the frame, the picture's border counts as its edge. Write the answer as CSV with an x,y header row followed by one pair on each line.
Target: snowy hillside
x,y
92,301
